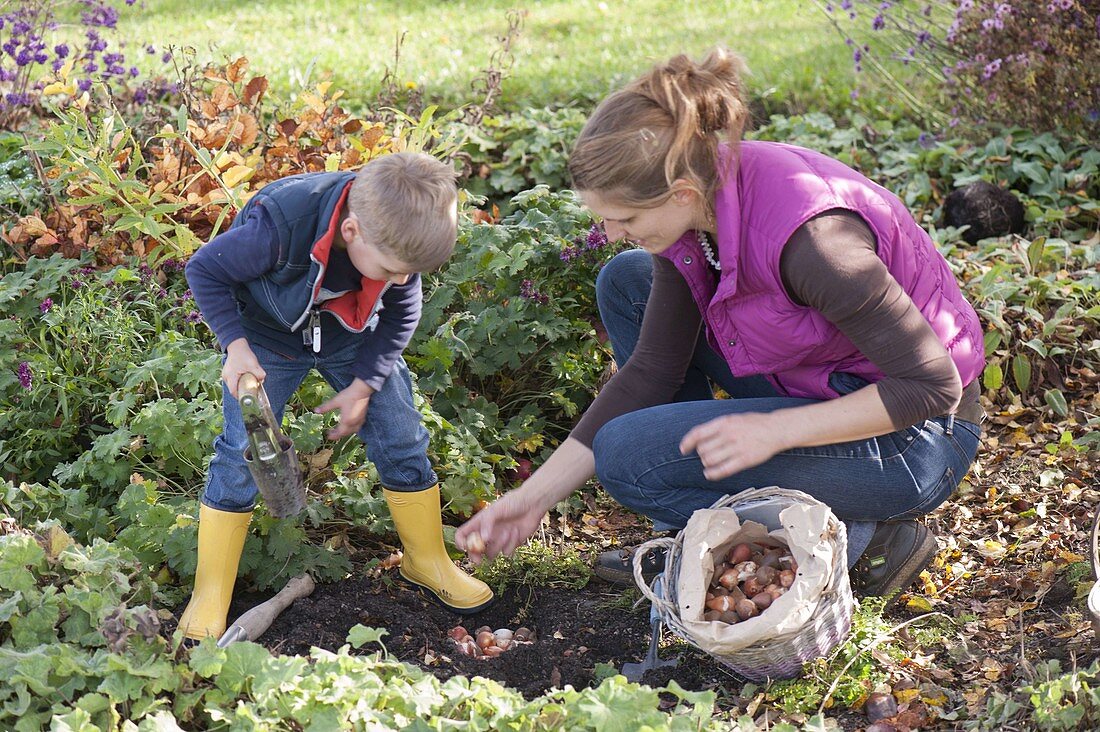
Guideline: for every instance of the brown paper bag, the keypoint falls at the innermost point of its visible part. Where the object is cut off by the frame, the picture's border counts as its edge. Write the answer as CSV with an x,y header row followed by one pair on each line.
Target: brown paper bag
x,y
710,533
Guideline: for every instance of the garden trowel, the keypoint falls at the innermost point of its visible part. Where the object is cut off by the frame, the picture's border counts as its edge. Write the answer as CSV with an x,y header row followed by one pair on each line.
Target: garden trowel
x,y
270,454
254,622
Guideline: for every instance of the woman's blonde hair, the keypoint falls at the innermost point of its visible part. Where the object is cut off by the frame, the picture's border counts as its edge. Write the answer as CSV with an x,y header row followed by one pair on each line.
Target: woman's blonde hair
x,y
664,126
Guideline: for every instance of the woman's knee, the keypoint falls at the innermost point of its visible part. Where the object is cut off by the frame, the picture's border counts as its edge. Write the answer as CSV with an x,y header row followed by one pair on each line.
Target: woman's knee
x,y
625,280
612,449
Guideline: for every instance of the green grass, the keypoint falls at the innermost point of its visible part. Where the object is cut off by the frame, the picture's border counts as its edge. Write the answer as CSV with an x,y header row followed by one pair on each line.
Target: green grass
x,y
569,50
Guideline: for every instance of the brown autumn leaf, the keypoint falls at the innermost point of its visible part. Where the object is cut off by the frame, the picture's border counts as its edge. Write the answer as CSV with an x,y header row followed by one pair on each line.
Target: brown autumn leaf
x,y
216,135
287,127
371,137
234,72
223,97
254,90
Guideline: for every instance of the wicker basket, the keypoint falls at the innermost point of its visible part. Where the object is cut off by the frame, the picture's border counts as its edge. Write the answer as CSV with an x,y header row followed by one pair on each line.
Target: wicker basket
x,y
779,657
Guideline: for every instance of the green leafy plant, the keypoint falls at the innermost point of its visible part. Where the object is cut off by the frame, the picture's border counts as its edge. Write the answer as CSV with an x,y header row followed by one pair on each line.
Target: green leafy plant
x,y
515,152
81,647
76,374
507,352
535,564
1051,700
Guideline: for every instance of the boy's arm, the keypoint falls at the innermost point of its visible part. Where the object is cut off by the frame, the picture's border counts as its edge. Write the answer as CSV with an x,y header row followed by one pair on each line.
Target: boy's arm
x,y
396,324
238,255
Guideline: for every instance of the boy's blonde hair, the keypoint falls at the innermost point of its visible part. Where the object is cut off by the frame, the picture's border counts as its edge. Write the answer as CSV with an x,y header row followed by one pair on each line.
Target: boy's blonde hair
x,y
406,205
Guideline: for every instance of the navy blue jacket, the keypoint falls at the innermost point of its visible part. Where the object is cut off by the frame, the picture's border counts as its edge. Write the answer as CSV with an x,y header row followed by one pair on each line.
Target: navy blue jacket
x,y
261,278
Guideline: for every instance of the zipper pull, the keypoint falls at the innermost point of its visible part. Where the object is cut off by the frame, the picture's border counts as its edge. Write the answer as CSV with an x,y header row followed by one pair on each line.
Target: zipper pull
x,y
315,326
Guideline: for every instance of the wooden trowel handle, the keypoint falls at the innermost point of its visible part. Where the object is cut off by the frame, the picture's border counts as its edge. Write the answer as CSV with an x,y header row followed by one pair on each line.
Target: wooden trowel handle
x,y
260,618
248,385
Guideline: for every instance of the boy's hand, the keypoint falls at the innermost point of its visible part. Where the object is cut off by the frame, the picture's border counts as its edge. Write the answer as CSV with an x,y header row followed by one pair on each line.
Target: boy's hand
x,y
352,404
239,359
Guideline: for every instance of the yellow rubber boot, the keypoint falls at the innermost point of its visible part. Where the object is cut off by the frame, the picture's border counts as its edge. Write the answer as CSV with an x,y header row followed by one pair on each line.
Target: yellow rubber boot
x,y
221,541
425,562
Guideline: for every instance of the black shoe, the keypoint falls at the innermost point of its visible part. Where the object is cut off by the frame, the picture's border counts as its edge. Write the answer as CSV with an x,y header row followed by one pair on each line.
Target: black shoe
x,y
617,566
894,559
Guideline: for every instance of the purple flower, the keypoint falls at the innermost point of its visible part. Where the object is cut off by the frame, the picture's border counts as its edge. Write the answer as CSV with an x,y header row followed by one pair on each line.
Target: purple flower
x,y
193,317
528,292
596,238
103,16
45,305
991,68
61,50
25,375
878,23
76,284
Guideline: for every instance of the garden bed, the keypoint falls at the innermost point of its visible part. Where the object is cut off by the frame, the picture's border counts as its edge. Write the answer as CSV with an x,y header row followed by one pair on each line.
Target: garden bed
x,y
582,635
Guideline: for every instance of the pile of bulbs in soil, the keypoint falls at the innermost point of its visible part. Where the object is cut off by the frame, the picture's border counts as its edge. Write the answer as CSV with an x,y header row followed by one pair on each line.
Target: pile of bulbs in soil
x,y
749,580
488,643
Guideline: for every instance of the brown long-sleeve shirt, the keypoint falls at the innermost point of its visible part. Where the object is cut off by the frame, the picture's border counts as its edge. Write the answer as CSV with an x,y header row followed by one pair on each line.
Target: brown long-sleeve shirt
x,y
830,264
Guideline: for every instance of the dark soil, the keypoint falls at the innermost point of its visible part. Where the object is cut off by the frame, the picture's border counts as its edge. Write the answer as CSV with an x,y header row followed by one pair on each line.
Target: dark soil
x,y
576,630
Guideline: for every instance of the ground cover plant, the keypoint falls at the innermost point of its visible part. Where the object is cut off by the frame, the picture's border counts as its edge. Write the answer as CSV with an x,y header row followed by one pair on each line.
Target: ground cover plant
x,y
108,404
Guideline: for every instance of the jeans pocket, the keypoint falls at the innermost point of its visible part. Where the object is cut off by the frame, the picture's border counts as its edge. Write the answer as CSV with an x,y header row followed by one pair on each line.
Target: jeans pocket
x,y
942,491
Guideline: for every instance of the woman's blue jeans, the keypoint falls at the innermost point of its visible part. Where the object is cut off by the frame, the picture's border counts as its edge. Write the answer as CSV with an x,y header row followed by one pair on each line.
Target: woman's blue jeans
x,y
900,475
396,440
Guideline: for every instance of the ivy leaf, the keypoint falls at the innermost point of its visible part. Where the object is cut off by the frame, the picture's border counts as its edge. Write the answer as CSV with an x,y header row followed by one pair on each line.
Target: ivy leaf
x,y
16,554
1021,372
243,662
122,686
10,606
360,635
993,376
207,659
1056,400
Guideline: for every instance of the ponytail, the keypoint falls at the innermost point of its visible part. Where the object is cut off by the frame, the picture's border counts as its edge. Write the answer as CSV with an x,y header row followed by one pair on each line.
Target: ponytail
x,y
664,126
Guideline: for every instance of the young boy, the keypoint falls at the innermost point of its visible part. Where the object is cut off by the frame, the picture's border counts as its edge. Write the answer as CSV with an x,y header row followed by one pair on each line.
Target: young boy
x,y
322,271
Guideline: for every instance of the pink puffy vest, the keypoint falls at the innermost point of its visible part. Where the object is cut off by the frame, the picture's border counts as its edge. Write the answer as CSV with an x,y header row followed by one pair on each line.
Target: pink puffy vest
x,y
748,317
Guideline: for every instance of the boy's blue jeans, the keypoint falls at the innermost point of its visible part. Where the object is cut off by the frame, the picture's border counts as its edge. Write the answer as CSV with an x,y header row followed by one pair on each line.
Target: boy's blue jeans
x,y
900,475
396,440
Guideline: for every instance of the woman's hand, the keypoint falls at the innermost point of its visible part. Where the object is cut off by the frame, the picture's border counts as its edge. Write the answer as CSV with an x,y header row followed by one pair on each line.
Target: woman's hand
x,y
239,360
501,526
736,442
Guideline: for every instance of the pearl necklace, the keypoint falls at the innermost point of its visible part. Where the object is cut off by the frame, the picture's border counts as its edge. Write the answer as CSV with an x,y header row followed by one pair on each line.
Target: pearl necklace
x,y
704,243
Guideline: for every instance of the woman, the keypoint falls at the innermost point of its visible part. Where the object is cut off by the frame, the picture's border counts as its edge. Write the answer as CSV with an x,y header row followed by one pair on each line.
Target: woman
x,y
805,291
